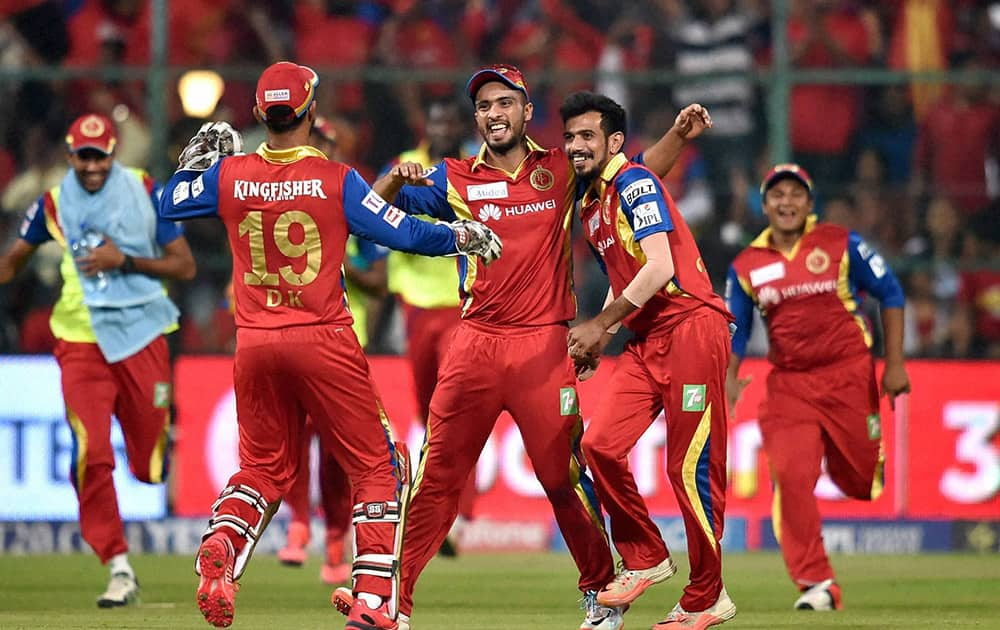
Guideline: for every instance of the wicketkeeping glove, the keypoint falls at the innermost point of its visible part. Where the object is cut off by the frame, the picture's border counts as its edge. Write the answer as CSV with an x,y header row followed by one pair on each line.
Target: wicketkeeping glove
x,y
475,239
213,141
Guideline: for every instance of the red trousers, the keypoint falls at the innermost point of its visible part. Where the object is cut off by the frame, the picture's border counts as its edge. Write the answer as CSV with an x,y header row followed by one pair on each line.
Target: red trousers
x,y
137,391
428,334
527,372
334,490
684,375
283,375
829,412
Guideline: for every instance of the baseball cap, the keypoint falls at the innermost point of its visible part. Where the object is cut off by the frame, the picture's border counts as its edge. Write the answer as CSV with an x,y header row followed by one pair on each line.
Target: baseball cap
x,y
786,171
286,83
504,73
92,131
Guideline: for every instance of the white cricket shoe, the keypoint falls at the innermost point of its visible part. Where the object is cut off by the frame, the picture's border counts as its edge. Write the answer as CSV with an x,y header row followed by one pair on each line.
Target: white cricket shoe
x,y
601,617
721,611
823,596
123,589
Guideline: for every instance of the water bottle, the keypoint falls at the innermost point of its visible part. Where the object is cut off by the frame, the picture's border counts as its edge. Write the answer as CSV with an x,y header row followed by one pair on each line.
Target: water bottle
x,y
90,239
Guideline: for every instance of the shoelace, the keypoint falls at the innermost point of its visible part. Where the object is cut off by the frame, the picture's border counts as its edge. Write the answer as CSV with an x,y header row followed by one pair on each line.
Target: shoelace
x,y
594,610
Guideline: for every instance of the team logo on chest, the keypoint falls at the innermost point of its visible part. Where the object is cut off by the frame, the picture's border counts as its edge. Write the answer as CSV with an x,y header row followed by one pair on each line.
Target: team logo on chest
x,y
541,179
606,210
817,261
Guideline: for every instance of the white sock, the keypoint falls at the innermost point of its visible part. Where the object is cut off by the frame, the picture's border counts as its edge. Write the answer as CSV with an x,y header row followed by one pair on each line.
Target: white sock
x,y
119,564
371,600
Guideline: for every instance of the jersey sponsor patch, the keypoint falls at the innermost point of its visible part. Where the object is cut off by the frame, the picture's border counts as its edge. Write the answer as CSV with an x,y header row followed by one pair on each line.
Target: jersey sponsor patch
x,y
877,265
478,192
270,96
489,211
373,202
182,192
594,223
568,404
638,189
197,186
647,215
693,398
767,273
393,216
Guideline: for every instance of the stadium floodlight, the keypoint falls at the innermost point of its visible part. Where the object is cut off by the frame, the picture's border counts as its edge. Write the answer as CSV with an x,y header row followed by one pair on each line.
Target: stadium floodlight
x,y
200,91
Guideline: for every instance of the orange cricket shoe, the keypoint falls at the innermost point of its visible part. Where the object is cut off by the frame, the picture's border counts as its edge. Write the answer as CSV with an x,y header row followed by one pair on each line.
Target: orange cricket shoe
x,y
216,590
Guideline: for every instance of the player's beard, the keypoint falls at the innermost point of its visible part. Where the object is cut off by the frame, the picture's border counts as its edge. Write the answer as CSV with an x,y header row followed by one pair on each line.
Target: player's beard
x,y
506,146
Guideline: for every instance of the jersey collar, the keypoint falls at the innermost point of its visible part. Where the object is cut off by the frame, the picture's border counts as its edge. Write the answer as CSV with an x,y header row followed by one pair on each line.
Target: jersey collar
x,y
533,147
287,156
608,174
763,240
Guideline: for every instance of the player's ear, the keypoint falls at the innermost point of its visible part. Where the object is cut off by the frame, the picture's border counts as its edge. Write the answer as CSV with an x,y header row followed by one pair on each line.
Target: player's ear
x,y
529,109
311,113
615,142
257,115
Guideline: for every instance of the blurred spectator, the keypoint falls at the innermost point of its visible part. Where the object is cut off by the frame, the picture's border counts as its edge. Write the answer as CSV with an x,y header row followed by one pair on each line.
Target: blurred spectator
x,y
921,40
927,320
938,249
977,320
957,138
715,38
824,118
891,132
43,166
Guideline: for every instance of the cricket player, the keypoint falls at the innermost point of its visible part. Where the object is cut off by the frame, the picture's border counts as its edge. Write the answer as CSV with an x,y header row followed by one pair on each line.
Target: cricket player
x,y
509,352
110,323
676,363
806,278
288,211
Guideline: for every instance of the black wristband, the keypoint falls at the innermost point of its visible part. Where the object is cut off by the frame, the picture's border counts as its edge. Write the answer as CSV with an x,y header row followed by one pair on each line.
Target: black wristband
x,y
128,266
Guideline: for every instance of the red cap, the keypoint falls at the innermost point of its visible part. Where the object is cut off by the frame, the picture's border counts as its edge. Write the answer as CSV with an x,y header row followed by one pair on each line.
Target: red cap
x,y
91,131
289,84
786,171
501,72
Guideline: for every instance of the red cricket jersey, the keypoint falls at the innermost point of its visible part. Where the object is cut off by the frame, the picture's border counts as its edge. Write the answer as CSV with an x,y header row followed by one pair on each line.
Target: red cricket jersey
x,y
625,204
530,210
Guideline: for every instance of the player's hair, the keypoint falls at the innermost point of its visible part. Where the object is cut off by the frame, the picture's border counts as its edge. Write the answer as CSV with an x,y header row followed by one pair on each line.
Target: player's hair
x,y
613,118
281,119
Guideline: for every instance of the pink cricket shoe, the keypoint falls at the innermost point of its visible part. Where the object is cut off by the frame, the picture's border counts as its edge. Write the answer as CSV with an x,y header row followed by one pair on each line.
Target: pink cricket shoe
x,y
364,618
335,573
722,611
216,590
343,600
294,553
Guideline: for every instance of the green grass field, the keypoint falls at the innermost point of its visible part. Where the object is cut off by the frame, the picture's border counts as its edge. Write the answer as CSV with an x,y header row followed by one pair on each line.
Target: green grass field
x,y
494,592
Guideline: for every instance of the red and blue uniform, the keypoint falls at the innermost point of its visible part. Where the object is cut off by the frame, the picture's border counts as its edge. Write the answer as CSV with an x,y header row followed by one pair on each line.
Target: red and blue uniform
x,y
822,395
509,353
676,363
135,389
288,214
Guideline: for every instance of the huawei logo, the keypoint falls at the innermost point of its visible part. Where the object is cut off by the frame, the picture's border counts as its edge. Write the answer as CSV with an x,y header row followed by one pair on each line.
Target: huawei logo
x,y
489,211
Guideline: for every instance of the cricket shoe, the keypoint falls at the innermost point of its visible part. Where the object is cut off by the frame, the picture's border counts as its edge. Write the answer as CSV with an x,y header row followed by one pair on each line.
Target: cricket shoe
x,y
216,590
629,585
822,596
722,611
343,600
335,573
123,589
600,617
364,618
294,552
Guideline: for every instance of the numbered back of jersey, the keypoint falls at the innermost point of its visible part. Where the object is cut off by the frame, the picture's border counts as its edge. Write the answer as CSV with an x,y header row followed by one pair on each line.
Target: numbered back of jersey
x,y
287,232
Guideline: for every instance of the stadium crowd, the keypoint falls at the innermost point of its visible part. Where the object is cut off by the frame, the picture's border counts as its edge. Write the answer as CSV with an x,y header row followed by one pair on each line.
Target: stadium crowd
x,y
915,169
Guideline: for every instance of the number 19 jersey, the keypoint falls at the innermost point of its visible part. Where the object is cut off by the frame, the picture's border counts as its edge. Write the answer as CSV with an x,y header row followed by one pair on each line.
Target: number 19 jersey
x,y
287,215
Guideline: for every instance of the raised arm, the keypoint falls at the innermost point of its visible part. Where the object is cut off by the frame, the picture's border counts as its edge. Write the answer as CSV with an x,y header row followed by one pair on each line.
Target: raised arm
x,y
689,124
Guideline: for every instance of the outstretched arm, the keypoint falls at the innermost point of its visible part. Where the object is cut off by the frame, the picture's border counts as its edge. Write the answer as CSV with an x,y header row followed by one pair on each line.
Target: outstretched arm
x,y
14,259
689,124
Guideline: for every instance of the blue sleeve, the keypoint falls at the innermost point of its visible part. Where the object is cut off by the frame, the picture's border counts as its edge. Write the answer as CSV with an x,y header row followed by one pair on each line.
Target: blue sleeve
x,y
741,306
33,228
429,200
370,217
370,252
868,271
167,231
191,194
643,202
